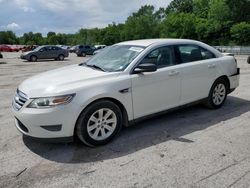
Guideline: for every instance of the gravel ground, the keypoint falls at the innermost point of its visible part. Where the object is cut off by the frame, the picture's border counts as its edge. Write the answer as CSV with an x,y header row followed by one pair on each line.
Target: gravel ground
x,y
192,147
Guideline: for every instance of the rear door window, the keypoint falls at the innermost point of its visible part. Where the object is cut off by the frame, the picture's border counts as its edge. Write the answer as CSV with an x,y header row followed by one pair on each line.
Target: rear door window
x,y
191,53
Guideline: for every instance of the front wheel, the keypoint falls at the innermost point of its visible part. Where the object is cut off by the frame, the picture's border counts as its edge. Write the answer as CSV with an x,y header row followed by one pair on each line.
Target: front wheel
x,y
99,123
217,94
33,58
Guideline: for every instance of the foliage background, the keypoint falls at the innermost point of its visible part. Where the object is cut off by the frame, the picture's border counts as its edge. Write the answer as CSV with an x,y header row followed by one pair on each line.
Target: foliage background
x,y
216,22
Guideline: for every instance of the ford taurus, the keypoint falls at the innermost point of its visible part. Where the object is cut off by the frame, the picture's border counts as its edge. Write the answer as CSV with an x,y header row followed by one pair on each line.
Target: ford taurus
x,y
123,83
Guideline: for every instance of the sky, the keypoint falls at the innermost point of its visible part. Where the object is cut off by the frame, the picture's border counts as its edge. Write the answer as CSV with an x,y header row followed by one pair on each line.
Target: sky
x,y
66,16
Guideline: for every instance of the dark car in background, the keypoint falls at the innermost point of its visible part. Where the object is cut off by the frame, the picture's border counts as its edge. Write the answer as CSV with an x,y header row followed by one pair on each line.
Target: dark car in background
x,y
83,50
46,52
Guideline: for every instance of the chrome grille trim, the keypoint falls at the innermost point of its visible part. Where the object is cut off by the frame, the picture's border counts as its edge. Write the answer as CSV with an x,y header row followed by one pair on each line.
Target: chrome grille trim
x,y
19,100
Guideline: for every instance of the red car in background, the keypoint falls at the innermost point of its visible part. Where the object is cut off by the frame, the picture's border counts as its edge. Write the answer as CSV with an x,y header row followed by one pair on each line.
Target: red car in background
x,y
7,48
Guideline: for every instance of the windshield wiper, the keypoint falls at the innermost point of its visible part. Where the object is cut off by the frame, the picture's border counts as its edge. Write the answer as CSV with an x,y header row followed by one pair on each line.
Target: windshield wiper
x,y
96,67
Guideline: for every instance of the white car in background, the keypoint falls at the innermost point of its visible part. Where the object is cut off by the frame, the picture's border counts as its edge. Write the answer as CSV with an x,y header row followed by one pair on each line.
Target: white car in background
x,y
126,82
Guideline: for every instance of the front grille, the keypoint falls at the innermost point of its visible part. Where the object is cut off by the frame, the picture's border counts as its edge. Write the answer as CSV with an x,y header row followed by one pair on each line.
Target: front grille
x,y
19,100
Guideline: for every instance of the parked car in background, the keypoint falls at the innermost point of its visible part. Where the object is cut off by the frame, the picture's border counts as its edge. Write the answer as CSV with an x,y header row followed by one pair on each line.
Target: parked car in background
x,y
128,81
8,48
45,52
83,50
228,54
100,46
29,48
100,50
72,49
64,47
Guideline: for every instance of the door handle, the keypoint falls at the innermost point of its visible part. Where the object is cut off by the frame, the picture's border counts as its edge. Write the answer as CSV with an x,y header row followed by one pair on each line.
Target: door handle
x,y
173,73
211,66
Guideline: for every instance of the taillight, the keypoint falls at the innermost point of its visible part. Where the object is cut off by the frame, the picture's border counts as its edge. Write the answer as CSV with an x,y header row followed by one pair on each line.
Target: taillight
x,y
235,60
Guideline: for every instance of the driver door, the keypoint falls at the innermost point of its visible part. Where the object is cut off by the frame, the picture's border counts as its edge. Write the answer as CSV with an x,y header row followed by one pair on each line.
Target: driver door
x,y
153,92
42,53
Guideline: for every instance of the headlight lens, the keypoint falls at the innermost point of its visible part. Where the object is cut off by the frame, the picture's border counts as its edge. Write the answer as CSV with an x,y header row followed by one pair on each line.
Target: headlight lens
x,y
47,102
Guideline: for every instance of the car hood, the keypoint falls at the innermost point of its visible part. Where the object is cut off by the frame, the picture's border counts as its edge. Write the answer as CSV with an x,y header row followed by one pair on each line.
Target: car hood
x,y
26,53
64,80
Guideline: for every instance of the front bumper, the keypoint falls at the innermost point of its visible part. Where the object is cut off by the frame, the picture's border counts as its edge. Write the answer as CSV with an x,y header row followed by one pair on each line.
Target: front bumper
x,y
23,57
56,122
234,79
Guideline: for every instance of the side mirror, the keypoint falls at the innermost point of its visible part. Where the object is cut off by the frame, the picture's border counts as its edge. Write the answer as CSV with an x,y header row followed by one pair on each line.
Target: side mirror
x,y
147,67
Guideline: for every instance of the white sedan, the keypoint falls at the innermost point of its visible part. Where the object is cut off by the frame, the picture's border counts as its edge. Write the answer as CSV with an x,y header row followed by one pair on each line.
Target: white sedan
x,y
124,83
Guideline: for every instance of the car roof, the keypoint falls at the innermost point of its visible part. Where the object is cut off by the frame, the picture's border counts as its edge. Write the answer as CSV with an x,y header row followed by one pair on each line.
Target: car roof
x,y
148,42
163,41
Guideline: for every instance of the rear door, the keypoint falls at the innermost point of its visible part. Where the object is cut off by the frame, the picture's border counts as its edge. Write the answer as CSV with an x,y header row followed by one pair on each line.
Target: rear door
x,y
55,52
52,52
198,67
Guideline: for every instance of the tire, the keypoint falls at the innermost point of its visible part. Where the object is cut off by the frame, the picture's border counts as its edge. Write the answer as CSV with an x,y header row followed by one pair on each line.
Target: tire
x,y
83,54
248,59
61,57
99,123
33,58
218,94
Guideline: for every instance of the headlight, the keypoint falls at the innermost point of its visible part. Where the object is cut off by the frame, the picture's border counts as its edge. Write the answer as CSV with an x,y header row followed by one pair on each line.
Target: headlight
x,y
47,102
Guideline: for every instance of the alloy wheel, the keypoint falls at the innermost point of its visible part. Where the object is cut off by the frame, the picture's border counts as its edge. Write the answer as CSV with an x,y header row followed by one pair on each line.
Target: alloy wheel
x,y
101,124
219,94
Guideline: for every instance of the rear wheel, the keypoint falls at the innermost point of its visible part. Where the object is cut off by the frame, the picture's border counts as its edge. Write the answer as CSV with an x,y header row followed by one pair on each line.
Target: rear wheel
x,y
33,58
99,123
61,57
83,54
217,94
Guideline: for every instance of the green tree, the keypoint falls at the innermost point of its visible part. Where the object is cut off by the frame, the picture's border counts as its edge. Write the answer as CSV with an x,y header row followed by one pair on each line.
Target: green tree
x,y
141,24
185,6
50,34
200,8
239,10
52,38
241,33
28,38
218,10
62,38
8,37
179,25
38,39
112,34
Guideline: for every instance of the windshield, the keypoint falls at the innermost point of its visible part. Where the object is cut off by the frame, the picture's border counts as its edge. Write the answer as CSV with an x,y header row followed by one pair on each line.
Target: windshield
x,y
115,58
38,48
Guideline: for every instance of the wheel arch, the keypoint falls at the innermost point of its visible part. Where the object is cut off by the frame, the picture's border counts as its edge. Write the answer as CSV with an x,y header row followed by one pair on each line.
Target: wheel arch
x,y
224,77
32,55
125,122
60,54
